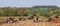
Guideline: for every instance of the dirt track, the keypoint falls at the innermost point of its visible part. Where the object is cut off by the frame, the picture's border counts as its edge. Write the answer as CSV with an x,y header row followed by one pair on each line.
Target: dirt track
x,y
30,23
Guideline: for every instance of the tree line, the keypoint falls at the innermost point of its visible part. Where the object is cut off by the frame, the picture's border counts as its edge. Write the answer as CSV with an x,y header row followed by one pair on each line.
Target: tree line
x,y
13,11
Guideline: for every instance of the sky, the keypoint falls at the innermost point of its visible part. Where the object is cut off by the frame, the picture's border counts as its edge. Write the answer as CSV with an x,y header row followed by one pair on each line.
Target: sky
x,y
28,3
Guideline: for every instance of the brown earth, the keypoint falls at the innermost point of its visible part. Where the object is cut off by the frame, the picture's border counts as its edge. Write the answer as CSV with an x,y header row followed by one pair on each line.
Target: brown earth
x,y
30,23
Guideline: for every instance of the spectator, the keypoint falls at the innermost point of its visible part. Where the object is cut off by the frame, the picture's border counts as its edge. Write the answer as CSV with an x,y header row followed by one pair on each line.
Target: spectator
x,y
49,18
32,17
7,20
54,19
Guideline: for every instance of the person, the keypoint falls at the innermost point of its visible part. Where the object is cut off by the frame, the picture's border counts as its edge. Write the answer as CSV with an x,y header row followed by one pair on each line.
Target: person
x,y
7,20
32,17
49,18
54,19
11,20
15,19
20,18
37,18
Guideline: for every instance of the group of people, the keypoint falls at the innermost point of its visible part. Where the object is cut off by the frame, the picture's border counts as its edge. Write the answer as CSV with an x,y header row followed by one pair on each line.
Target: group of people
x,y
53,19
15,19
9,19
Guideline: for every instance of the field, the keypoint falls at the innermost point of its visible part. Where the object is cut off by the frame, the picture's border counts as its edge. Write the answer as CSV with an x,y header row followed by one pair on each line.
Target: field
x,y
29,23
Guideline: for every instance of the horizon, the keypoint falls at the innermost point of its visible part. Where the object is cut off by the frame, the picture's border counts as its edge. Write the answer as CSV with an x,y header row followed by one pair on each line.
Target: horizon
x,y
33,6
